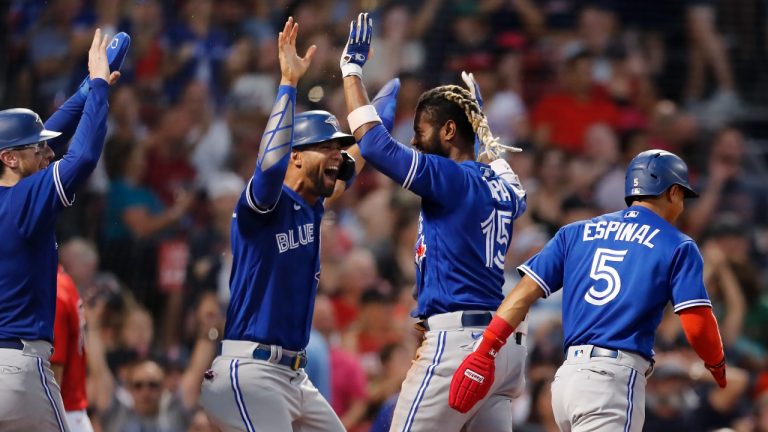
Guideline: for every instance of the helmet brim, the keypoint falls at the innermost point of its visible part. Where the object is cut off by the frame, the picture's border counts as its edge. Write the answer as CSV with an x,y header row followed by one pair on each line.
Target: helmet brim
x,y
46,134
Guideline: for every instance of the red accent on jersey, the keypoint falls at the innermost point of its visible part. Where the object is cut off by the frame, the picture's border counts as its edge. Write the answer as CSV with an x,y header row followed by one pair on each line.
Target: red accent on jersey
x,y
69,342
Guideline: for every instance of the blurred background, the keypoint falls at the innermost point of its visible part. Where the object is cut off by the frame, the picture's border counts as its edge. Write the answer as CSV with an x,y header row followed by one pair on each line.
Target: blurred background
x,y
582,86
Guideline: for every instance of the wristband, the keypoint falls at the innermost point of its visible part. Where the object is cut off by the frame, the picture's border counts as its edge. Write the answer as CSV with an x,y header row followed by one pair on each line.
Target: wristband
x,y
350,69
362,115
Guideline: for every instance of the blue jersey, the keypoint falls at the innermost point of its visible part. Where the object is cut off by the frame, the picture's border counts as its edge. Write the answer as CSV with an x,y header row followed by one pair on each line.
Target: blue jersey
x,y
618,272
28,212
465,224
275,246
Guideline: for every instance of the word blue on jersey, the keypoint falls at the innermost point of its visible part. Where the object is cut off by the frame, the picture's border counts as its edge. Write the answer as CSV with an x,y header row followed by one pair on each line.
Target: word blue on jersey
x,y
465,224
275,246
618,271
28,212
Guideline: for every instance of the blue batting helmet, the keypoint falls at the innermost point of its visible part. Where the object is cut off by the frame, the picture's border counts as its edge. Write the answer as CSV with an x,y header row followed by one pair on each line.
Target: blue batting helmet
x,y
652,172
314,127
20,126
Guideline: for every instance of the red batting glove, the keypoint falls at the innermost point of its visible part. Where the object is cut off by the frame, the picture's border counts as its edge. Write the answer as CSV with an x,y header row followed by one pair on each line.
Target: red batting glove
x,y
718,371
474,377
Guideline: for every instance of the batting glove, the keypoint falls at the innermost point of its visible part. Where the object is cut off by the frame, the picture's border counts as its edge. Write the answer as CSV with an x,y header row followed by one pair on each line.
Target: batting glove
x,y
116,52
347,167
474,377
718,372
385,103
473,87
358,46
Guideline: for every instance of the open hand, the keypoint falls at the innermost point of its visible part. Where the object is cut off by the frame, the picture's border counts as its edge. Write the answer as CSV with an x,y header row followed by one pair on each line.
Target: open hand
x,y
292,66
98,64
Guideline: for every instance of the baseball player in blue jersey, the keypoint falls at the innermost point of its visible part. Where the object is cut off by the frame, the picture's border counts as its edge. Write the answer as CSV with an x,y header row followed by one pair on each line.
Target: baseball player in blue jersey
x,y
32,192
618,271
258,383
465,227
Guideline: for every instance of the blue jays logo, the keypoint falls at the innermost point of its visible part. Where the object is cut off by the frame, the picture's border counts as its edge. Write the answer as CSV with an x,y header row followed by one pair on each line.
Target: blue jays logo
x,y
333,122
420,249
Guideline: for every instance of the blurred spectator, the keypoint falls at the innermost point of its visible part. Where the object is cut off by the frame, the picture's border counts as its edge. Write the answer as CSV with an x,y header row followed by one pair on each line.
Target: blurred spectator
x,y
169,171
147,404
541,417
80,259
677,401
193,48
545,197
395,47
729,238
201,423
727,187
349,395
707,50
51,53
210,255
209,137
356,275
133,218
562,118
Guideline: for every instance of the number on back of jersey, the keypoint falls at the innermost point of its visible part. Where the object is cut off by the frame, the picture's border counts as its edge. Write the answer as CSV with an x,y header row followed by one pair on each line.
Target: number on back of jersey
x,y
497,228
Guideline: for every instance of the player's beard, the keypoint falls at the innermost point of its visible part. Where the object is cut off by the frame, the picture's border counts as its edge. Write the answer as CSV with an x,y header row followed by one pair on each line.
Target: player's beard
x,y
434,146
324,183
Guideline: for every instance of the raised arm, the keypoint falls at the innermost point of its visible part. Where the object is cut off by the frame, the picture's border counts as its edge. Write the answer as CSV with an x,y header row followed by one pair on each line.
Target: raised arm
x,y
66,118
84,152
263,190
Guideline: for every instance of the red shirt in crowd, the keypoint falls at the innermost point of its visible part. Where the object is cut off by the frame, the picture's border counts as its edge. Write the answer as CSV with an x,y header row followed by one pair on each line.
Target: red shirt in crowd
x,y
569,118
69,342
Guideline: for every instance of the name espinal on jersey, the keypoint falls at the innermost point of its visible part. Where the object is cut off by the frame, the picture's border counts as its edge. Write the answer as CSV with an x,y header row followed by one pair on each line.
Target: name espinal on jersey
x,y
621,231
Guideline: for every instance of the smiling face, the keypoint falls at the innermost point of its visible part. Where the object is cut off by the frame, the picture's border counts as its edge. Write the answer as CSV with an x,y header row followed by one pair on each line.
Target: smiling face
x,y
426,137
320,165
27,159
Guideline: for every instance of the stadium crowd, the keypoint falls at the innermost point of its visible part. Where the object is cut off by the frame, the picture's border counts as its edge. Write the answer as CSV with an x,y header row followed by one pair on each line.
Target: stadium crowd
x,y
582,86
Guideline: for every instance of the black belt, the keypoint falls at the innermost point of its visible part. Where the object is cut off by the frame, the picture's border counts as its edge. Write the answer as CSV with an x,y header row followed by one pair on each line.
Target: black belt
x,y
16,344
609,353
603,352
295,362
477,320
264,352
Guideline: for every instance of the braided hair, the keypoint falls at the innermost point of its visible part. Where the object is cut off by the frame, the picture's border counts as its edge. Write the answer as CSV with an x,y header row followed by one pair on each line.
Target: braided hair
x,y
452,102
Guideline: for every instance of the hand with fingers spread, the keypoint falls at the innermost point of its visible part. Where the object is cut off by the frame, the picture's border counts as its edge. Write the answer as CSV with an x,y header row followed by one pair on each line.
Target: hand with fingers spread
x,y
358,46
98,63
292,67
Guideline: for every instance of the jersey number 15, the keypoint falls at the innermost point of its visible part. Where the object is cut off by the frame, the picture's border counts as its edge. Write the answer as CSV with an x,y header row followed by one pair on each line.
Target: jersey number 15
x,y
497,229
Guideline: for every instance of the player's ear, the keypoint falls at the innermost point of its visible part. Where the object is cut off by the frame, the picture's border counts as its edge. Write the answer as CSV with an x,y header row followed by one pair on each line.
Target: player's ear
x,y
296,159
448,130
9,159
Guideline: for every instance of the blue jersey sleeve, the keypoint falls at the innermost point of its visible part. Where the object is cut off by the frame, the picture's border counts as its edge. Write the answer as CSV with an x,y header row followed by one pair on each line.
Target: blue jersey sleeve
x,y
435,178
38,198
263,190
546,267
65,120
687,278
84,151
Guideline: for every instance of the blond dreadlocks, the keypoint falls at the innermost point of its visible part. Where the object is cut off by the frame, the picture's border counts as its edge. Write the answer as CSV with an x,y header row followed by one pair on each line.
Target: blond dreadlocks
x,y
461,98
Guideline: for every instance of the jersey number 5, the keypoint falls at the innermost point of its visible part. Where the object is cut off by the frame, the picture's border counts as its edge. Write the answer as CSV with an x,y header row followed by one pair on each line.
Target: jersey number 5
x,y
602,270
